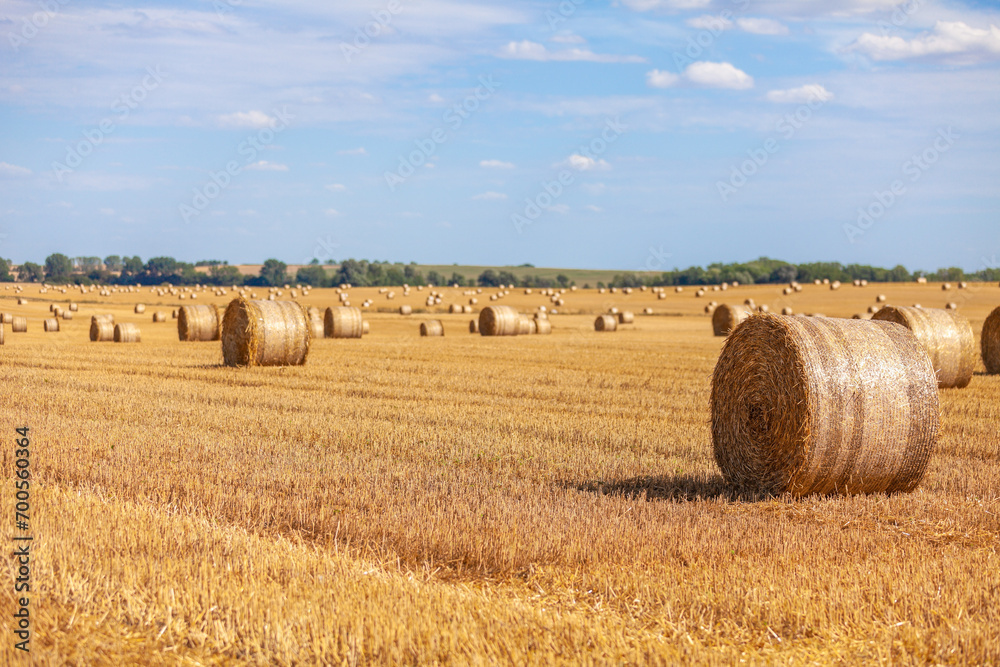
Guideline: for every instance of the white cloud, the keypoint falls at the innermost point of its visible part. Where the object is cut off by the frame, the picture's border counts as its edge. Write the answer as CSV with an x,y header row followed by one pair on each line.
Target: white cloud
x,y
595,209
496,164
264,165
490,196
8,170
796,8
336,187
808,93
760,26
527,50
710,22
568,38
948,38
646,5
251,119
585,163
353,151
660,79
711,75
331,212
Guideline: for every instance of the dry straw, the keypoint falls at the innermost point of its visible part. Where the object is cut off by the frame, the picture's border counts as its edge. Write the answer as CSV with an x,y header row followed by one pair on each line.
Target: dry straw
x,y
265,333
543,327
990,342
199,323
101,330
316,325
431,328
365,328
527,326
946,336
805,405
473,326
126,332
626,317
51,324
6,318
725,318
1,333
605,323
67,315
499,321
343,322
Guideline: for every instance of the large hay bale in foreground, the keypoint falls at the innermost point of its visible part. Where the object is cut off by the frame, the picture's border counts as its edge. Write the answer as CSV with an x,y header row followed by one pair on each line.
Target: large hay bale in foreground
x,y
989,343
343,322
725,318
499,321
606,322
431,328
19,324
946,336
199,323
805,405
51,324
101,330
127,332
265,333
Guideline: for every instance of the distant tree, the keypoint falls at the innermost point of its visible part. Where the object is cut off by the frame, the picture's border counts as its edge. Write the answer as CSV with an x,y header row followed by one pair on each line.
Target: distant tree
x,y
563,280
223,274
393,276
488,278
507,278
313,275
457,278
87,264
274,272
5,276
210,262
29,272
412,276
784,274
352,271
58,268
113,263
435,278
131,267
161,268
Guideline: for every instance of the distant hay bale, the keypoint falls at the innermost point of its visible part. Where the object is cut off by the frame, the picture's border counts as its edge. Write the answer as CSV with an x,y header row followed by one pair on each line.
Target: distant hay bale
x,y
6,318
945,287
647,311
526,326
160,316
455,308
605,323
431,328
139,310
107,317
725,318
405,310
750,304
473,326
963,285
51,324
989,342
265,333
541,315
316,325
803,406
1,333
19,324
835,285
199,323
343,322
67,315
126,332
101,330
22,302
543,327
946,336
499,321
763,308
861,316
173,314
365,328
951,305
880,298
626,317
921,280
710,308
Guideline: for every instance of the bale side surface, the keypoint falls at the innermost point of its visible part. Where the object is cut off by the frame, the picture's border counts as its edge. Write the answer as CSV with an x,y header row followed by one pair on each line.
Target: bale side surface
x,y
725,318
51,324
544,327
126,332
265,333
431,328
343,322
18,324
473,326
989,343
499,321
626,317
806,405
101,331
946,336
199,323
605,323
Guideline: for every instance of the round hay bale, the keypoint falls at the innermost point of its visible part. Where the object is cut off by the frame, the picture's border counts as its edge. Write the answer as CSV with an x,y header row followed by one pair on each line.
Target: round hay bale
x,y
963,285
526,326
431,328
473,326
126,332
750,304
405,310
804,406
160,316
101,330
605,323
647,311
945,287
343,322
455,308
173,314
543,327
6,318
1,333
265,333
199,323
626,317
139,309
861,316
946,336
763,308
989,342
880,298
499,321
835,285
725,318
67,315
541,315
709,309
365,328
51,324
951,305
22,302
19,324
103,318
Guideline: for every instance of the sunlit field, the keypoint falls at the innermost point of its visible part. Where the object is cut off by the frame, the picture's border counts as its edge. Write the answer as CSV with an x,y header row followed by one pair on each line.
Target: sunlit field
x,y
468,499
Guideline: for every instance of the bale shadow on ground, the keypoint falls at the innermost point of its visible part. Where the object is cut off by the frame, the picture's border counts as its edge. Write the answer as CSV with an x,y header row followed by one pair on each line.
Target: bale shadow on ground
x,y
682,487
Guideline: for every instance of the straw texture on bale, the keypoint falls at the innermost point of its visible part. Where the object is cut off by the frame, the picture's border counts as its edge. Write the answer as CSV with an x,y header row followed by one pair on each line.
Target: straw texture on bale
x,y
199,323
6,318
67,315
606,323
725,318
805,406
543,327
159,316
365,328
140,309
343,322
51,324
265,333
405,310
473,326
946,336
499,321
626,317
526,326
101,330
431,328
990,342
126,332
18,324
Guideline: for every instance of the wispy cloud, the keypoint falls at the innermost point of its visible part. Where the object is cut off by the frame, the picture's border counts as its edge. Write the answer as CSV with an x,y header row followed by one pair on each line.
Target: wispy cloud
x,y
707,74
948,38
8,170
759,26
336,187
246,119
585,163
353,151
527,50
811,92
490,196
496,164
264,165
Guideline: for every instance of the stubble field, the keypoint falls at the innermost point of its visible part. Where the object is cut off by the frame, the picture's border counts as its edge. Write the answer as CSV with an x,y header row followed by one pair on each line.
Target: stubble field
x,y
470,500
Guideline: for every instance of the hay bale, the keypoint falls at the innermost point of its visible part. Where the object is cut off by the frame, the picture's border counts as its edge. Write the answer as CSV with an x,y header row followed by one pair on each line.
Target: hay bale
x,y
725,318
945,287
499,321
526,326
67,315
951,305
365,328
606,323
101,330
6,318
763,308
543,327
126,332
265,333
199,323
139,309
541,315
173,314
22,302
946,336
431,328
1,333
750,304
51,324
626,317
456,308
880,298
343,322
405,310
160,316
861,316
473,326
989,342
803,406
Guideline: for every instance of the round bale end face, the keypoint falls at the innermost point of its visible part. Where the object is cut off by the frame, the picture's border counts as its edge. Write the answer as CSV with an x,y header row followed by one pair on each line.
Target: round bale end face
x,y
989,342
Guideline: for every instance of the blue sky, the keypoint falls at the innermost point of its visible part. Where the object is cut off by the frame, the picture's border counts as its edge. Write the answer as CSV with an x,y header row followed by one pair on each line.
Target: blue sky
x,y
626,135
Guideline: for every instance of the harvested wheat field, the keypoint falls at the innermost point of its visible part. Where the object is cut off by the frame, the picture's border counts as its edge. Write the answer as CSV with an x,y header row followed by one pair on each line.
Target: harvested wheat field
x,y
483,499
